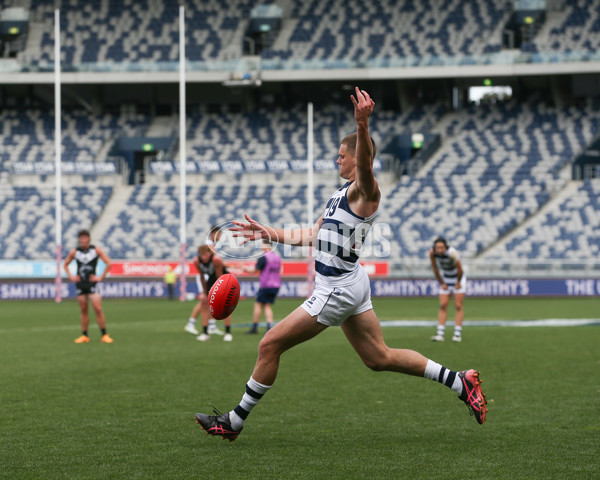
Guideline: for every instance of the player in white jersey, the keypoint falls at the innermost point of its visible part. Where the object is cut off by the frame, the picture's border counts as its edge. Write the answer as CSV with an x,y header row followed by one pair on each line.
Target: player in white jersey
x,y
342,294
448,271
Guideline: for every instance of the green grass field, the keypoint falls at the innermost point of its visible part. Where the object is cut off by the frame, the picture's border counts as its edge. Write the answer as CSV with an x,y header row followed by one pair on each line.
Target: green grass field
x,y
125,410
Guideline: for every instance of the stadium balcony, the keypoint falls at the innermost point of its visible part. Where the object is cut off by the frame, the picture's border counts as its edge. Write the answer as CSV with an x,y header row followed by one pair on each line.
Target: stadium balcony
x,y
28,134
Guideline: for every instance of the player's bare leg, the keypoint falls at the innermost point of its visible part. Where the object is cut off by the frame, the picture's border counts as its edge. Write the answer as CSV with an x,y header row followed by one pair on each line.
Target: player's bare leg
x,y
268,315
190,326
204,315
257,310
296,328
442,318
196,310
256,313
227,337
96,301
84,317
364,334
458,316
363,331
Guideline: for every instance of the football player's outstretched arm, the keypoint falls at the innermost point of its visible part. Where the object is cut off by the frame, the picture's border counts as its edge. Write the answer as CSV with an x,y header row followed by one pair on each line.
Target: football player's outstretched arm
x,y
365,178
253,230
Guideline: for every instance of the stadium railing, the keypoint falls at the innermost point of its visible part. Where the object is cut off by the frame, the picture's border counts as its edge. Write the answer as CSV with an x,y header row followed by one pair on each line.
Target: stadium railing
x,y
497,58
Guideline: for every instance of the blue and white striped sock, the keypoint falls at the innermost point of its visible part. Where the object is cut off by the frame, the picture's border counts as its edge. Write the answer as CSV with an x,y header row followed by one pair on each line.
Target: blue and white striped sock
x,y
254,392
450,378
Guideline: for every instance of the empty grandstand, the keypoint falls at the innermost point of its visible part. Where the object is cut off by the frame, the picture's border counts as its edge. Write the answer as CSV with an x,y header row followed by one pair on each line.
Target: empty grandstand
x,y
498,182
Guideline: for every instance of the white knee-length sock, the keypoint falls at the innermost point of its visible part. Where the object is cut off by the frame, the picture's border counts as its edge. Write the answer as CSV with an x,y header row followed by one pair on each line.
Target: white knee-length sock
x,y
254,392
450,378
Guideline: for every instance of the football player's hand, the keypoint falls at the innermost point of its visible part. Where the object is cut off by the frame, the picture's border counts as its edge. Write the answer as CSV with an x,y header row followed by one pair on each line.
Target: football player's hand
x,y
249,230
457,286
363,105
444,286
94,278
203,297
76,279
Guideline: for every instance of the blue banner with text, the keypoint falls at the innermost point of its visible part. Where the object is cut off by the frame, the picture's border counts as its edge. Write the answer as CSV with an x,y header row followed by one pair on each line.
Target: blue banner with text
x,y
521,287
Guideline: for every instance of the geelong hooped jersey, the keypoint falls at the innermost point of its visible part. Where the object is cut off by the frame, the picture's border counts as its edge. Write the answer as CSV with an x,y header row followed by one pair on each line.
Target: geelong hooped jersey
x,y
446,264
341,237
87,261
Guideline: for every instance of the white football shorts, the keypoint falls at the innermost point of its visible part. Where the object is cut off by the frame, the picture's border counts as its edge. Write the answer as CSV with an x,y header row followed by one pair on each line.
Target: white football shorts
x,y
451,289
332,305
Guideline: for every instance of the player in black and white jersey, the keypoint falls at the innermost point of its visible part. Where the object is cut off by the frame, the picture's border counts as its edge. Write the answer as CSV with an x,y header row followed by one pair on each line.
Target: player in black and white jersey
x,y
342,294
86,255
449,272
213,237
211,267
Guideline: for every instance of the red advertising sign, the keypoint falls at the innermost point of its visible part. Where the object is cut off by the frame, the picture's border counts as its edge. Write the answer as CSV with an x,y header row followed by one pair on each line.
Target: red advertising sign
x,y
127,268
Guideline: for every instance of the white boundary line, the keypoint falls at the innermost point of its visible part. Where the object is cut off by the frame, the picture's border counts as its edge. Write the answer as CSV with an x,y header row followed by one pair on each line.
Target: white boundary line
x,y
547,322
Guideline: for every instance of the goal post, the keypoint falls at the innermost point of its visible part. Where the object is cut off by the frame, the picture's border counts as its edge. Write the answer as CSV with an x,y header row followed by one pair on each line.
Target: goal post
x,y
310,195
57,159
182,158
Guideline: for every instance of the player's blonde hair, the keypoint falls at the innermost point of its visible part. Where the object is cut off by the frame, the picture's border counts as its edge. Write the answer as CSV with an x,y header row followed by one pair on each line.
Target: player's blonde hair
x,y
350,142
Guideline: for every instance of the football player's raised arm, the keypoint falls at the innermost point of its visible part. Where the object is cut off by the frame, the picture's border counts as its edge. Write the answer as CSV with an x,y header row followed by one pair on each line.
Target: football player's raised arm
x,y
365,178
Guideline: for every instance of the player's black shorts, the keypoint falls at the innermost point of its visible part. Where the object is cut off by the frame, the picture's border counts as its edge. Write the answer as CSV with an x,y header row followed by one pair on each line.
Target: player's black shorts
x,y
85,288
267,295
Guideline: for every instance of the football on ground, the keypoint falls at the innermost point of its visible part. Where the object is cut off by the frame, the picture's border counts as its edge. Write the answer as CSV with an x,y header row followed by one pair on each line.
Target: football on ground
x,y
224,296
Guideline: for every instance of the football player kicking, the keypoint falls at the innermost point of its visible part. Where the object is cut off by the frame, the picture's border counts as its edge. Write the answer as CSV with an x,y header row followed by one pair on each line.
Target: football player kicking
x,y
342,294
